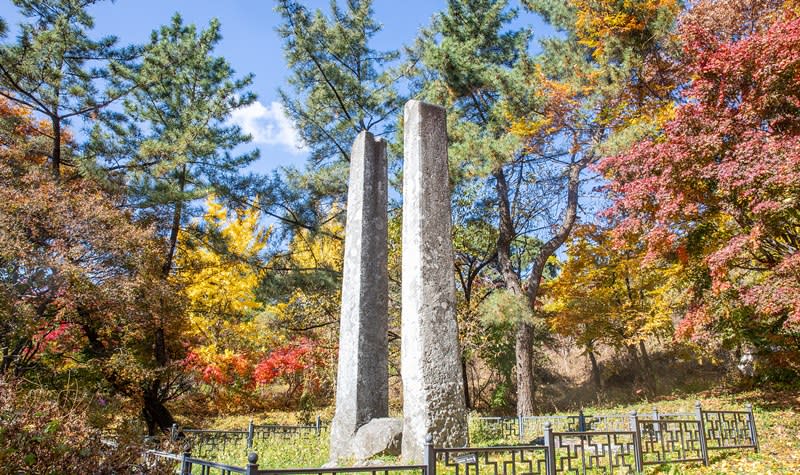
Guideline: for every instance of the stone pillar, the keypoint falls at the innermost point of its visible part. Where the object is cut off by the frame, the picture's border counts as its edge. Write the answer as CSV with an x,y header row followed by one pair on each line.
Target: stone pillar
x,y
433,391
362,384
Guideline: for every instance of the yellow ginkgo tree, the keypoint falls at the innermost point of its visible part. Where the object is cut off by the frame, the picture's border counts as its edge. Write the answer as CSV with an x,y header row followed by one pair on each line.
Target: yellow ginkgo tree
x,y
220,264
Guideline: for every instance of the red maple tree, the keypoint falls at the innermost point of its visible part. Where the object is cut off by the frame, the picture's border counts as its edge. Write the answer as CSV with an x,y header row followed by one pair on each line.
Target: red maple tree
x,y
722,179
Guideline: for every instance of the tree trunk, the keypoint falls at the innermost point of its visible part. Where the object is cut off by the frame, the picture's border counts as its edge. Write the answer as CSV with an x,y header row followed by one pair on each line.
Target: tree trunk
x,y
649,376
524,356
155,413
639,373
597,378
160,347
645,357
175,228
467,401
523,346
56,159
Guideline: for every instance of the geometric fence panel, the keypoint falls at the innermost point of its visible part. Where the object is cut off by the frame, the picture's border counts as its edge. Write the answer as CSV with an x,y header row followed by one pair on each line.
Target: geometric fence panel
x,y
374,470
286,432
504,428
213,441
610,422
571,445
530,428
533,426
670,441
594,452
506,460
728,430
205,441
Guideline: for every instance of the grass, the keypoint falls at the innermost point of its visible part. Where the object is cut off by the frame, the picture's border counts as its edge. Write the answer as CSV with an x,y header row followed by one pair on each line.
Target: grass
x,y
275,452
776,414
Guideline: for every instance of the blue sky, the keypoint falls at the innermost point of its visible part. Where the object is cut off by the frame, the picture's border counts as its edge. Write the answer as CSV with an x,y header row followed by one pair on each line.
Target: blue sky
x,y
251,45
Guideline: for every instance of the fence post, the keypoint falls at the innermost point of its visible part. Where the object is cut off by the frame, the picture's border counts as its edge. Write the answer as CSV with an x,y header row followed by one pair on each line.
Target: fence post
x,y
521,427
186,466
550,449
252,464
701,432
638,456
429,456
250,433
318,426
656,425
751,420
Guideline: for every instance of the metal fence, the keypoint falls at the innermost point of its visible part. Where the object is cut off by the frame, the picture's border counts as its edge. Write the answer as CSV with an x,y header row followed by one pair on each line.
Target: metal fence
x,y
530,428
647,439
614,443
505,460
204,441
185,464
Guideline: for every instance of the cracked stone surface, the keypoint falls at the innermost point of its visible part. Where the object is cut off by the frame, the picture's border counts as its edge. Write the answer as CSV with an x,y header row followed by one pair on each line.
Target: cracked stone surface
x,y
433,392
362,384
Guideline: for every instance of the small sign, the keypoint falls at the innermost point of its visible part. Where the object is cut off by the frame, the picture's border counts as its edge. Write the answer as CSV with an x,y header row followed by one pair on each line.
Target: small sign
x,y
466,458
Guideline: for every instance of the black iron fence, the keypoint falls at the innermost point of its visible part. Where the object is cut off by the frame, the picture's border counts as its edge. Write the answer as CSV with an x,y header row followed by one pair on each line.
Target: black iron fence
x,y
529,428
186,464
586,447
626,444
205,441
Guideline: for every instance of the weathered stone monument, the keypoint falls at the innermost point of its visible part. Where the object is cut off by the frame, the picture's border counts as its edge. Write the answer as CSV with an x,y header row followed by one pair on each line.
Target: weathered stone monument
x,y
433,392
362,385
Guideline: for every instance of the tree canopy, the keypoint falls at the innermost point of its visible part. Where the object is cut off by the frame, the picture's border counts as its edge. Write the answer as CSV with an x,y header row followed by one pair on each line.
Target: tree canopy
x,y
627,186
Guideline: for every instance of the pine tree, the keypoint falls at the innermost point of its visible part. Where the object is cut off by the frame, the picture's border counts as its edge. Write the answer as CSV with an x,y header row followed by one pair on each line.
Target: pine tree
x,y
470,61
180,143
524,129
339,86
179,147
55,69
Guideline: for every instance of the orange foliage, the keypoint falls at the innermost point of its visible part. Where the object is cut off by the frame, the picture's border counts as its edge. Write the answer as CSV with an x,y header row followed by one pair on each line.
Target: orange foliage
x,y
26,138
598,20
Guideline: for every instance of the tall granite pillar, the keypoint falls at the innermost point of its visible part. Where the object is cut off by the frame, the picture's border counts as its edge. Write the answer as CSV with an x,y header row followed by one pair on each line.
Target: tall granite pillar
x,y
362,385
433,391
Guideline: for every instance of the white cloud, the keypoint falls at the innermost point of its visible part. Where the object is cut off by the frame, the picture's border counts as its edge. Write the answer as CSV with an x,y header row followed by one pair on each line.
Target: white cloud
x,y
269,126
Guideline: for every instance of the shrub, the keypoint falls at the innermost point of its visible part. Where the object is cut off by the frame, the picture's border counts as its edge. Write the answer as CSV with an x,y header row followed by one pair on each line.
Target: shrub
x,y
45,432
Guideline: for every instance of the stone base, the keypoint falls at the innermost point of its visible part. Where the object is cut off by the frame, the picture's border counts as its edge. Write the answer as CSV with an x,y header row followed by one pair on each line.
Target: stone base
x,y
382,436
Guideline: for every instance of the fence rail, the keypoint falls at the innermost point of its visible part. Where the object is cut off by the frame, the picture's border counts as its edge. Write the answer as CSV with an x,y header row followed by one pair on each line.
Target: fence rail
x,y
204,441
374,470
577,452
501,460
185,464
643,440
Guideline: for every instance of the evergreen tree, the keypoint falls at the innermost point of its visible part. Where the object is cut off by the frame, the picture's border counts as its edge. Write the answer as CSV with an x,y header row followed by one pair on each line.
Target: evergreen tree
x,y
179,147
339,86
56,70
468,62
181,142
